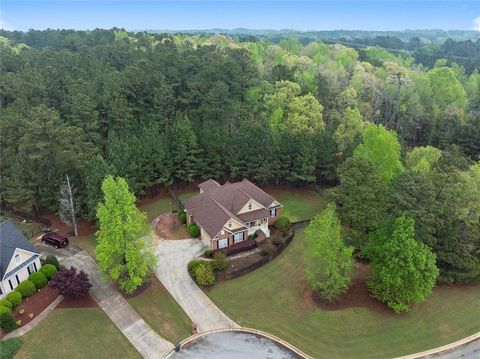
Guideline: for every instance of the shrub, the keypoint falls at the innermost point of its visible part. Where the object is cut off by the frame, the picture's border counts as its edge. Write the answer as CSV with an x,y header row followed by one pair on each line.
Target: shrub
x,y
10,347
51,259
220,261
282,224
39,279
7,322
49,270
192,266
277,239
204,275
5,309
70,283
208,253
26,288
182,216
6,303
193,230
14,297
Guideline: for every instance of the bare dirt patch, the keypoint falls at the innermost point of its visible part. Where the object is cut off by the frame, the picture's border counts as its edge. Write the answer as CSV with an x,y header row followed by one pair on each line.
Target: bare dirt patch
x,y
83,302
357,296
169,227
84,228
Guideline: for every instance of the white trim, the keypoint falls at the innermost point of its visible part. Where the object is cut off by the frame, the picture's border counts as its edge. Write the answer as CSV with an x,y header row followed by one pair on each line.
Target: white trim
x,y
220,240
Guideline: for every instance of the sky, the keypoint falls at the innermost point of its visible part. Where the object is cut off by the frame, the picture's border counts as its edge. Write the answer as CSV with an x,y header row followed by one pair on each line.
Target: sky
x,y
184,15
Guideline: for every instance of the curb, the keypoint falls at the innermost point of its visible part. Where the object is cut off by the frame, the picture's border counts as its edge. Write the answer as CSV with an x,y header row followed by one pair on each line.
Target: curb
x,y
443,348
244,330
25,329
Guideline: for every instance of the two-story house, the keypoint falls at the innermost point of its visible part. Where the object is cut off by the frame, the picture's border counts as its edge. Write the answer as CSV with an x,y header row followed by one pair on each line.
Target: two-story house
x,y
18,258
227,214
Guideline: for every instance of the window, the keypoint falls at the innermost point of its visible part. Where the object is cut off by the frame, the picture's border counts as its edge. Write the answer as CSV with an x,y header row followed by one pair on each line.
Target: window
x,y
229,224
249,205
272,212
17,258
32,268
238,237
222,243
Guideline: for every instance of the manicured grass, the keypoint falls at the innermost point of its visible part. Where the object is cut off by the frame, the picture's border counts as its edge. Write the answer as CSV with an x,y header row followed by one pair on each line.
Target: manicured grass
x,y
273,299
299,204
9,347
76,334
162,205
158,308
87,243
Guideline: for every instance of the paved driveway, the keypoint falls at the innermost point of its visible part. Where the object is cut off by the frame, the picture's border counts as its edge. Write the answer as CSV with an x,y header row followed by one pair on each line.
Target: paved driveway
x,y
60,253
173,258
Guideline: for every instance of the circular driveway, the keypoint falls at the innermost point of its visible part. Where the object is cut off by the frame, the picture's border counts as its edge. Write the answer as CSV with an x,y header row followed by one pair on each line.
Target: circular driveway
x,y
233,345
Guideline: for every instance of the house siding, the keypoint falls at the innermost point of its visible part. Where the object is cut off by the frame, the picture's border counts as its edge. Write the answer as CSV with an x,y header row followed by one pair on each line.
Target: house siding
x,y
271,220
22,275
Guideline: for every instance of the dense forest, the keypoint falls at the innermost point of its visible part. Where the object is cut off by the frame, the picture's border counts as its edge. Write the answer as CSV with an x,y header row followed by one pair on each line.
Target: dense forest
x,y
172,109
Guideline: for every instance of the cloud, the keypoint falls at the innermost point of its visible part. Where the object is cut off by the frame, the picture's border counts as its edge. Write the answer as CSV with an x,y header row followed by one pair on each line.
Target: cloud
x,y
476,24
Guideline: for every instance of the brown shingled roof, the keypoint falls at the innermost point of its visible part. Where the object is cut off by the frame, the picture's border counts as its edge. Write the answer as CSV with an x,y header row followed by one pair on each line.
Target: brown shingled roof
x,y
217,204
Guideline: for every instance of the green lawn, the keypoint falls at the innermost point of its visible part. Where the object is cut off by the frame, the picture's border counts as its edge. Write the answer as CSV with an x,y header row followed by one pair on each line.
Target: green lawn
x,y
272,298
299,204
76,333
87,243
162,205
158,308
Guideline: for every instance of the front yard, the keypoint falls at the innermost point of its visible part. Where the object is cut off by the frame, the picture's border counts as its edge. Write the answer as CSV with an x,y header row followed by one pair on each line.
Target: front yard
x,y
276,298
158,308
76,333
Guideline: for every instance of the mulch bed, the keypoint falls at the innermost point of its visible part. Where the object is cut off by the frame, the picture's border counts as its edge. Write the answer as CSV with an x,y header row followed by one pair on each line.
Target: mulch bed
x,y
35,304
83,302
357,296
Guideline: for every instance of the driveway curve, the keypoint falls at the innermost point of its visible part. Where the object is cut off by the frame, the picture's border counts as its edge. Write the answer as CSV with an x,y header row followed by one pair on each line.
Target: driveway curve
x,y
172,271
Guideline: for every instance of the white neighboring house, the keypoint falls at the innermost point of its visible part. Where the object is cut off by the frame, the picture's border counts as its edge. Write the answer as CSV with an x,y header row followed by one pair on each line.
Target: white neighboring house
x,y
18,258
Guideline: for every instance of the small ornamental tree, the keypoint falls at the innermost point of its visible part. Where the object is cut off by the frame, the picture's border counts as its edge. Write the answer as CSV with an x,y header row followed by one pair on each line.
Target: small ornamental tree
x,y
329,261
70,283
404,270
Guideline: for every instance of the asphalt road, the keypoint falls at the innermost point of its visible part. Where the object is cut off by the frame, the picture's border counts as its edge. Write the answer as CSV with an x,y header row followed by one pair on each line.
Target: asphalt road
x,y
467,351
233,345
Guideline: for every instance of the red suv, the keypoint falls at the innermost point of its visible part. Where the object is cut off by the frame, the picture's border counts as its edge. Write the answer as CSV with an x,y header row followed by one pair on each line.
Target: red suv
x,y
55,240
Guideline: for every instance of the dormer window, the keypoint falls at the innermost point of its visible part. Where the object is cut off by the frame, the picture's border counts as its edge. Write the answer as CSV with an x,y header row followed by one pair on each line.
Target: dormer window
x,y
250,205
17,258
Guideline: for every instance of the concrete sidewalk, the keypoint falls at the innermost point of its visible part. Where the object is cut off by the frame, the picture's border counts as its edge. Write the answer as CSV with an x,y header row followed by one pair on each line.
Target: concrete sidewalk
x,y
173,258
141,335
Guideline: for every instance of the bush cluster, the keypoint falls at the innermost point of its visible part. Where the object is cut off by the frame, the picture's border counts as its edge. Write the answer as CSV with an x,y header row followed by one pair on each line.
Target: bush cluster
x,y
51,259
208,253
49,270
5,309
193,230
14,297
27,288
182,215
204,275
7,322
39,279
5,303
282,224
220,261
